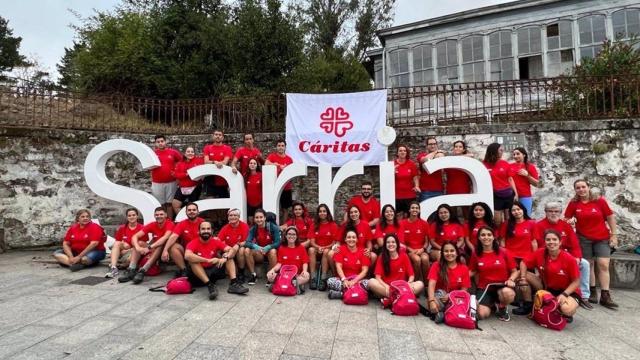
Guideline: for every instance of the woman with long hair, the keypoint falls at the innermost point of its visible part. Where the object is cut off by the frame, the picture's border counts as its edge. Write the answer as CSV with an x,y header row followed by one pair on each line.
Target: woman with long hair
x,y
301,220
458,182
323,235
525,175
446,228
388,224
292,253
261,245
480,215
253,185
407,180
416,237
121,249
446,275
504,189
352,266
188,190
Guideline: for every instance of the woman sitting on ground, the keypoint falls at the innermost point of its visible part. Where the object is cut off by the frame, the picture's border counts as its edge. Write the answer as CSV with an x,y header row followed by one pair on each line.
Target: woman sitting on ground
x,y
480,215
446,228
352,266
292,252
388,224
416,237
121,249
323,235
83,244
261,245
445,276
302,221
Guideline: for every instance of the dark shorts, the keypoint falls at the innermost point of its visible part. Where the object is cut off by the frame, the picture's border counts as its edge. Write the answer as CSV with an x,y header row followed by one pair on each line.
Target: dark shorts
x,y
594,249
490,298
94,256
286,199
402,205
193,197
252,209
558,292
211,190
503,200
214,273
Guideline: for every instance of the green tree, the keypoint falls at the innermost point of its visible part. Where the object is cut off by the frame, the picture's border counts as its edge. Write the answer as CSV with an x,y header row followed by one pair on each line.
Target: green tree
x,y
9,46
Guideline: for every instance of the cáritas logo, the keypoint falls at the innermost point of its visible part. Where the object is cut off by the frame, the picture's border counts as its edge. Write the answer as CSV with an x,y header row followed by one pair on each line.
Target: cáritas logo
x,y
335,120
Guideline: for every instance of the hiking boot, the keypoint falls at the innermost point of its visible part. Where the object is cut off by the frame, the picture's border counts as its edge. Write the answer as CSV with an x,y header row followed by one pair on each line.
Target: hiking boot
x,y
584,303
525,309
241,277
251,280
213,290
503,314
76,267
127,276
323,285
235,287
439,317
180,273
113,273
333,294
386,302
606,301
313,285
593,298
139,276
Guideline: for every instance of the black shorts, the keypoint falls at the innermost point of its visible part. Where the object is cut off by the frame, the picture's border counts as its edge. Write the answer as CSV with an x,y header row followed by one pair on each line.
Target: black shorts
x,y
214,273
286,199
558,292
215,191
194,196
402,205
252,209
503,202
490,298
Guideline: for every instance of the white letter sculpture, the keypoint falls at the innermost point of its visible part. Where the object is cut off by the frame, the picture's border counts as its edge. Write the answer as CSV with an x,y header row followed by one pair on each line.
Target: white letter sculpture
x,y
327,187
272,185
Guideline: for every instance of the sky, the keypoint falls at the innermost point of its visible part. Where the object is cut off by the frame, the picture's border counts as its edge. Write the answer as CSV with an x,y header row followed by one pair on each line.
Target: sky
x,y
44,25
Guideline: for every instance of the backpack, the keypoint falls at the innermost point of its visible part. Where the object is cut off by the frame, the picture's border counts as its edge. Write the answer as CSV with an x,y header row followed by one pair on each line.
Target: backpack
x,y
355,295
458,311
546,311
404,302
283,285
154,270
175,286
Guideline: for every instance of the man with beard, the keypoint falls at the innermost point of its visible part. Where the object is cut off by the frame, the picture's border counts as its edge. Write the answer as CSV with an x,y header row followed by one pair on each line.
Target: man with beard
x,y
369,206
282,160
186,230
218,154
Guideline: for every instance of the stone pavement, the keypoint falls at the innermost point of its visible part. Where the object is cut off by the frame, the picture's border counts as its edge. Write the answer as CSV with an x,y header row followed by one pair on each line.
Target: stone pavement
x,y
42,316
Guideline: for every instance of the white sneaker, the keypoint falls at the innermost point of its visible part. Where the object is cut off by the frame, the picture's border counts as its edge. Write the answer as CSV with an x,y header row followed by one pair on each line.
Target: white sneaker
x,y
113,273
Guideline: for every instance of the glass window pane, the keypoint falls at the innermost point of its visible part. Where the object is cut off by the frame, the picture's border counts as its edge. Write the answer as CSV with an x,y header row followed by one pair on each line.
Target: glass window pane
x,y
505,41
536,41
599,33
417,58
507,69
478,71
553,43
467,50
619,28
478,51
586,52
403,60
523,41
441,50
467,73
633,22
584,26
452,52
393,63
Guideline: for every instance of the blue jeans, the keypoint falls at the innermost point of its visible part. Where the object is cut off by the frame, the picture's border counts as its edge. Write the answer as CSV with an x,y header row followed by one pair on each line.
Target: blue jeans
x,y
528,204
584,278
429,194
94,256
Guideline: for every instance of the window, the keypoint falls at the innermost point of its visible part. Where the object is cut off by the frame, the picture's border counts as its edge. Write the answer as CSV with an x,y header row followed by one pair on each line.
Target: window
x,y
399,68
560,62
592,34
472,59
626,23
423,65
377,70
560,48
559,36
529,40
500,55
530,67
447,61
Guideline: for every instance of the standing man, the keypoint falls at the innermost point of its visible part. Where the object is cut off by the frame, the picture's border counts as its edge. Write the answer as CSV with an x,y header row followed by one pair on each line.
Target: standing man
x,y
244,154
431,185
218,154
163,181
369,206
186,231
282,160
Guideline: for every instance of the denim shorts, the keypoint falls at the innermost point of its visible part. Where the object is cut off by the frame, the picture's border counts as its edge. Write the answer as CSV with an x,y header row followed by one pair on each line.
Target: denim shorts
x,y
94,256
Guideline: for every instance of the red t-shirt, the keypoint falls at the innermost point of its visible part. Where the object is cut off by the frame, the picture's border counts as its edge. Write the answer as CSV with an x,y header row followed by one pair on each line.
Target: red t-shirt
x,y
303,225
500,173
399,269
352,262
124,233
181,171
244,154
568,239
168,159
555,274
156,231
208,250
519,245
80,237
492,267
369,210
523,187
591,218
218,153
188,230
405,173
458,277
364,234
473,234
293,256
325,235
450,232
233,235
253,184
381,232
281,160
429,182
458,182
415,233
263,236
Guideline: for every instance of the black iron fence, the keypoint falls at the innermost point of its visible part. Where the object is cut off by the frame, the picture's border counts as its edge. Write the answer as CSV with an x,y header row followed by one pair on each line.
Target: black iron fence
x,y
566,98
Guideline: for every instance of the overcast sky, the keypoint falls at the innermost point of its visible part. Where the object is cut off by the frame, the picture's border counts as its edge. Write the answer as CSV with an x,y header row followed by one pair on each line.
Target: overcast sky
x,y
44,24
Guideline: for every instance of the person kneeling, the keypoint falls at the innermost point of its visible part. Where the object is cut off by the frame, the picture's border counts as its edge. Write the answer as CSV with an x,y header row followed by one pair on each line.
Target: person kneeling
x,y
206,266
292,253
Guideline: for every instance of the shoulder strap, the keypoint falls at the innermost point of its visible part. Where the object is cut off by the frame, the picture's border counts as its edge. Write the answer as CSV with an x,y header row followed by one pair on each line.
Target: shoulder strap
x,y
161,288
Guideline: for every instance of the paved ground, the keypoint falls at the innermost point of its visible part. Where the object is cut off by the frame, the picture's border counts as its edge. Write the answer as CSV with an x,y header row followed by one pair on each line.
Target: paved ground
x,y
42,316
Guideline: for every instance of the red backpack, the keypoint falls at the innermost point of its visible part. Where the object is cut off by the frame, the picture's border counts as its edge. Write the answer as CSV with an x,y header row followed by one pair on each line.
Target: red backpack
x,y
283,285
355,295
175,286
404,302
154,270
458,311
546,311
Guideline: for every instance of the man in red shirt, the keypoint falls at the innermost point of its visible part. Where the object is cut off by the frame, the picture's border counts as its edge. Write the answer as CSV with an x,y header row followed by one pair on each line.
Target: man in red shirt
x,y
208,259
431,185
218,154
160,230
244,154
163,181
282,160
186,230
369,206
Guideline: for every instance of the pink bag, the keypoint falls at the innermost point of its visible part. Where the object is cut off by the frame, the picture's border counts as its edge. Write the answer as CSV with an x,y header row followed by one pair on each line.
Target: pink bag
x,y
355,295
154,270
283,285
546,311
175,286
458,311
404,302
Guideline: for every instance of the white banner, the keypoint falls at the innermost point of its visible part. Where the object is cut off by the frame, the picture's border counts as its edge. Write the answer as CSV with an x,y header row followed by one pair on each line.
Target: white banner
x,y
336,128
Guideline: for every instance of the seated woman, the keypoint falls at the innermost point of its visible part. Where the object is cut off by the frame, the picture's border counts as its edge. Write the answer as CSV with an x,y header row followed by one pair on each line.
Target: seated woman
x,y
301,221
492,265
446,228
559,273
388,224
83,244
323,235
363,232
121,249
480,215
262,242
352,265
416,233
446,275
292,252
392,265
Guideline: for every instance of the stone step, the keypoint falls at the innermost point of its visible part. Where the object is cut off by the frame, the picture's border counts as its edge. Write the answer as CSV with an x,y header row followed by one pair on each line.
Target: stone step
x,y
625,270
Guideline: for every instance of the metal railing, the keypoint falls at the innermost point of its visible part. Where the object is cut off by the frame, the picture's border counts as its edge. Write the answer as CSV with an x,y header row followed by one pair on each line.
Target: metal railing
x,y
28,105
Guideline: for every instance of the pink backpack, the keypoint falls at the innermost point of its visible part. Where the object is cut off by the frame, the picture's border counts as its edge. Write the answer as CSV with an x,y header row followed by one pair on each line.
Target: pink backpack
x,y
175,286
404,302
546,311
355,295
458,311
283,285
154,270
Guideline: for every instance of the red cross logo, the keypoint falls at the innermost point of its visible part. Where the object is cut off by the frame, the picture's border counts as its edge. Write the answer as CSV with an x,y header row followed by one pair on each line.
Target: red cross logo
x,y
335,120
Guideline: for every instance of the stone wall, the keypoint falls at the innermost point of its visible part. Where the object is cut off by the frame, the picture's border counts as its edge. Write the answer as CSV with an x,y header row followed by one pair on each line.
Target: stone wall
x,y
42,185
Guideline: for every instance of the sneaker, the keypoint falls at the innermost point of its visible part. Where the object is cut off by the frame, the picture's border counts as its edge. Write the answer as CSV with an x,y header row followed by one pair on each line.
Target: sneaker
x,y
584,303
606,301
323,285
439,317
235,287
313,285
127,276
301,289
386,302
333,294
139,276
113,273
251,280
241,277
569,319
180,273
213,291
76,267
269,285
525,309
503,314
